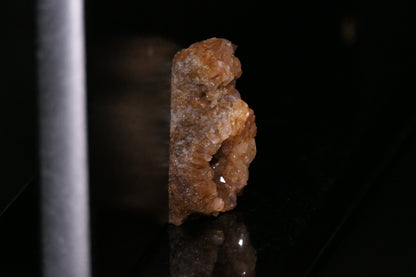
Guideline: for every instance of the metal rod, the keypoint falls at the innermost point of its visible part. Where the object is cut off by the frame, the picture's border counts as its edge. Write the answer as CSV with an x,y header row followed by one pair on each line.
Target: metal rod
x,y
63,139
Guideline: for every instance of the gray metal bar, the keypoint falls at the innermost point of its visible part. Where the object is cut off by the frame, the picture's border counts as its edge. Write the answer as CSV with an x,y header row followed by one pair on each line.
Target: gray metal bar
x,y
63,139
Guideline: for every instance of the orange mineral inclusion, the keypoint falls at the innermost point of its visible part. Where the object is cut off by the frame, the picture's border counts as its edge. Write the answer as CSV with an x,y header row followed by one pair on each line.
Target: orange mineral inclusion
x,y
211,133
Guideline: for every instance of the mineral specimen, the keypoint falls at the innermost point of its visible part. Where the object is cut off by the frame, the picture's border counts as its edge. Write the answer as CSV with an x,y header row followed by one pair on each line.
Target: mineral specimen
x,y
211,134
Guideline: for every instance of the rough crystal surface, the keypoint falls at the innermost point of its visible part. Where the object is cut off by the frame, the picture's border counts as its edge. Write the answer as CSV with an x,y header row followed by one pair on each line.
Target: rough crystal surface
x,y
211,134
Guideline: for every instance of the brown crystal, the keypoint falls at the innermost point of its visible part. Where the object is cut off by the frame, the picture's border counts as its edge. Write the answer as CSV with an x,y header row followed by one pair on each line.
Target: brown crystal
x,y
211,134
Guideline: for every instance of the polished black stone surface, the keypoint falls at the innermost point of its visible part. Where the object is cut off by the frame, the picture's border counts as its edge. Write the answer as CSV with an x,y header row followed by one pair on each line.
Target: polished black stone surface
x,y
379,240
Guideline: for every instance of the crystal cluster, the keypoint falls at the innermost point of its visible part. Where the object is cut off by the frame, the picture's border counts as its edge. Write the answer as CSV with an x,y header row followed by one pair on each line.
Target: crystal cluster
x,y
211,134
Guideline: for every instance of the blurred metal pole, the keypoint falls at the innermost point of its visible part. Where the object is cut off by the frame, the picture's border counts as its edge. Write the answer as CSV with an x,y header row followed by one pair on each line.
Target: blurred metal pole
x,y
63,139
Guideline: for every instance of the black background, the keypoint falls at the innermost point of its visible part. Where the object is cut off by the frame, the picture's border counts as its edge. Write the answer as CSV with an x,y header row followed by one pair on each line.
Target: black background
x,y
330,190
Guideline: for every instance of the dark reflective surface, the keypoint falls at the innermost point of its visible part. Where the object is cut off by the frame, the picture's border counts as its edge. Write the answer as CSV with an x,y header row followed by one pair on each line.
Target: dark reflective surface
x,y
212,247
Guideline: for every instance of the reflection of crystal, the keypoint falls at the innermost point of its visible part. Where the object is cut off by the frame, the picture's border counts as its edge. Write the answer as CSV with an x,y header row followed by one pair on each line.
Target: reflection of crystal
x,y
240,242
206,247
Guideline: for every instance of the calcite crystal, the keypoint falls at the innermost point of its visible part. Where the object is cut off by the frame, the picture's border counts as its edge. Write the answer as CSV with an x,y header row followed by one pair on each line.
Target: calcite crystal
x,y
211,134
